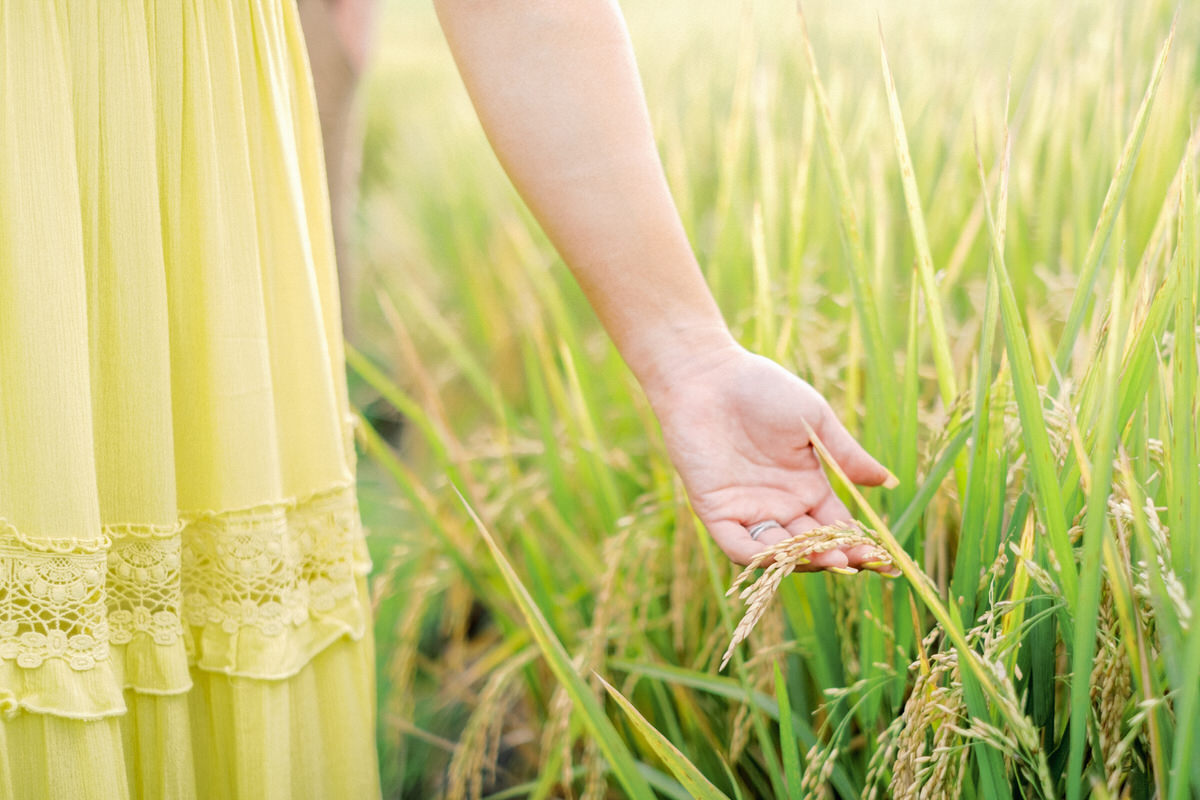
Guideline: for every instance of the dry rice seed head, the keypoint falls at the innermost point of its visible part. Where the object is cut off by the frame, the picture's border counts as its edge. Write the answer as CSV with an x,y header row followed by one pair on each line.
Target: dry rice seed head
x,y
457,610
1037,573
478,750
947,760
787,555
998,567
1125,753
760,675
1012,426
591,651
1111,690
845,596
566,774
610,605
595,787
685,573
1156,451
994,646
928,720
1059,418
937,419
739,736
883,756
1143,574
819,764
554,734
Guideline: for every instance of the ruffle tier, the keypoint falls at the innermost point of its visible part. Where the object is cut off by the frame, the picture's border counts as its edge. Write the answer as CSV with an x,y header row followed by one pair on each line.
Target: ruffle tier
x,y
253,593
227,738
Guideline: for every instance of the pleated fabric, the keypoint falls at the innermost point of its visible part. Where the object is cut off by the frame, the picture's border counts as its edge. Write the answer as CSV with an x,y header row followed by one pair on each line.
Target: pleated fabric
x,y
183,606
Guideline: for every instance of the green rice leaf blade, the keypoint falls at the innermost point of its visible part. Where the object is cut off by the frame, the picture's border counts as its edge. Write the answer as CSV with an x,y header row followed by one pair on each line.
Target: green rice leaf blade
x,y
623,764
879,360
934,315
1185,760
1048,496
1096,523
1108,211
787,737
685,771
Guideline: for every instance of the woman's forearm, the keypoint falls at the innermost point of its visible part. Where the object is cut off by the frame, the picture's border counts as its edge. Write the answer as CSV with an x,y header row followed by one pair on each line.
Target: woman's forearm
x,y
556,87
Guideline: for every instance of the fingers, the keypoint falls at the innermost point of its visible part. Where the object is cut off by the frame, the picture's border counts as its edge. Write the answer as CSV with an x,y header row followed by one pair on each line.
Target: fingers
x,y
830,559
859,465
832,510
734,540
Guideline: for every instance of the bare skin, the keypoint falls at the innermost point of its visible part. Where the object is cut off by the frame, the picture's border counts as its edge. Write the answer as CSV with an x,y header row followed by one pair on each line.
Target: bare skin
x,y
556,87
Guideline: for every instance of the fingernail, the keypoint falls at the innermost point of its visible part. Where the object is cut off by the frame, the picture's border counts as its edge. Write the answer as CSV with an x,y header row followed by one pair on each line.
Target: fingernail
x,y
892,481
874,564
843,570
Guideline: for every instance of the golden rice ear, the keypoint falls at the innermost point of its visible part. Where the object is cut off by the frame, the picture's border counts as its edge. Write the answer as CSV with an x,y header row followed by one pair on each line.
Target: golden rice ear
x,y
789,554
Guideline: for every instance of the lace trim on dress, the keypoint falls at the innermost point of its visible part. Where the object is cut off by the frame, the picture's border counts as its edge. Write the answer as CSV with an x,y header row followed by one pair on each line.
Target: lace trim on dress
x,y
52,606
270,570
271,567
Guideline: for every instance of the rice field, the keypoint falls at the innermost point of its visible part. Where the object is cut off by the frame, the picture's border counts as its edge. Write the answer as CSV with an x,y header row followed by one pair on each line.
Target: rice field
x,y
975,229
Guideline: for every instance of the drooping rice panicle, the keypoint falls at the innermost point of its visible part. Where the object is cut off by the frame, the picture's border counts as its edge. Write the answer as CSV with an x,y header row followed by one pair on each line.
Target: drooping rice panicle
x,y
784,558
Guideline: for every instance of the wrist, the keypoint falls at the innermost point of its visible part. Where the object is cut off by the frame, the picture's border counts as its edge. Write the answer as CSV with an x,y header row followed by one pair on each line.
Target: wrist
x,y
668,357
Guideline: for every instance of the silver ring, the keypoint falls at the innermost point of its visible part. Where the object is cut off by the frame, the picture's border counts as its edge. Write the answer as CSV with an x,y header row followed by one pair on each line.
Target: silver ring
x,y
758,528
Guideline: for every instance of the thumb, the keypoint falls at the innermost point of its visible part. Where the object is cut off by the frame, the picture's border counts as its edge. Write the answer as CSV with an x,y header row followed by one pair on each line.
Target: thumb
x,y
859,465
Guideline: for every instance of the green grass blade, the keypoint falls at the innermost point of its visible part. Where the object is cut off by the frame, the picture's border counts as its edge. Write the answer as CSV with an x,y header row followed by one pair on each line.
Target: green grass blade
x,y
1185,760
774,768
991,762
923,587
882,378
623,764
812,622
732,689
1048,496
983,468
911,518
377,449
1108,211
906,465
1184,476
1095,529
399,400
984,472
664,784
1140,362
765,336
934,315
787,737
685,771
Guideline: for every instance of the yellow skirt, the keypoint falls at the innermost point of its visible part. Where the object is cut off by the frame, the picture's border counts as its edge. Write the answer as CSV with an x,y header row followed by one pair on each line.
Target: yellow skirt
x,y
182,594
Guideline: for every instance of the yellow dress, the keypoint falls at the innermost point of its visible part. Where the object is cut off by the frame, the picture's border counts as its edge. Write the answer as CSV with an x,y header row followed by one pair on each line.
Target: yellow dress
x,y
182,570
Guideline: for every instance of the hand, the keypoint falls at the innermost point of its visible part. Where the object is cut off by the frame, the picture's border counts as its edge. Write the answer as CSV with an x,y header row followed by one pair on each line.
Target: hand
x,y
734,428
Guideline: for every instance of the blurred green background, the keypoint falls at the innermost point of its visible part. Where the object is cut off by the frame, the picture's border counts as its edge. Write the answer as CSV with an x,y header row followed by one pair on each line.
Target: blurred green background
x,y
494,376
